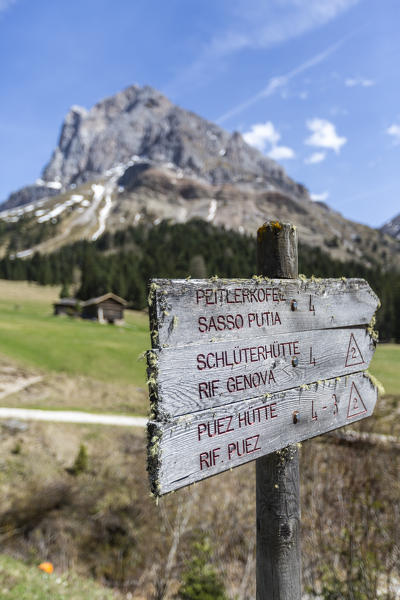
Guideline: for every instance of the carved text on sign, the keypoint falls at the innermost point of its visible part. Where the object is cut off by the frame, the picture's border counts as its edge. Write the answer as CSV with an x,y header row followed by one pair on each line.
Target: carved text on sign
x,y
200,376
184,312
209,442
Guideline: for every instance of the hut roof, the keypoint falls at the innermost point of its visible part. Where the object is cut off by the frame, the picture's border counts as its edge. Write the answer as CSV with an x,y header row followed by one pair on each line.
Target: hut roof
x,y
66,302
109,296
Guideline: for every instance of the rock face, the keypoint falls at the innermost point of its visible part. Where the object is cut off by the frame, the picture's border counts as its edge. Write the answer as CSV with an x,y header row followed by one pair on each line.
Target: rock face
x,y
392,227
141,122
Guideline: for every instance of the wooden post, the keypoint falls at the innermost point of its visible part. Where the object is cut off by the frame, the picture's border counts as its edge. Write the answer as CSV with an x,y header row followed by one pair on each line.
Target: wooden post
x,y
277,475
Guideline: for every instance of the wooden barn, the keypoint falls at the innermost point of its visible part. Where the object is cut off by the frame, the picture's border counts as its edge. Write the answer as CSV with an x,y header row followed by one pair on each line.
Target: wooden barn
x,y
105,309
67,306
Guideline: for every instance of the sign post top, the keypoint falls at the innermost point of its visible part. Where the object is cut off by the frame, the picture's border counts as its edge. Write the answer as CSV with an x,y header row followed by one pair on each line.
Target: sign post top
x,y
277,250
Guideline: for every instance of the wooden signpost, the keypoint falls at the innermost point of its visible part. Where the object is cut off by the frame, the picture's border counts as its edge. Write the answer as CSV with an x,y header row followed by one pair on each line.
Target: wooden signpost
x,y
240,369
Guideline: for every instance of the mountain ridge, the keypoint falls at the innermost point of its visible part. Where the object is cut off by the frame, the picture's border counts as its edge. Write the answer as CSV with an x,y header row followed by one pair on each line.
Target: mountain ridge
x,y
141,122
136,157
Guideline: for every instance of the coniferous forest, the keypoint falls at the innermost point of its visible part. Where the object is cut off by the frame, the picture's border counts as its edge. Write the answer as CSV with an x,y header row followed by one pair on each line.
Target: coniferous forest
x,y
122,262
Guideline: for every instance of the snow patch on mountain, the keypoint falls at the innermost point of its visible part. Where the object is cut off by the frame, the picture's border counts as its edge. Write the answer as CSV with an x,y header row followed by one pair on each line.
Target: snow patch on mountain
x,y
60,208
105,211
212,210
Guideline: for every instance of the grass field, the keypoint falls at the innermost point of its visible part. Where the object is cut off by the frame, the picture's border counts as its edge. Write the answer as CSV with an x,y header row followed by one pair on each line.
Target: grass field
x,y
386,367
30,334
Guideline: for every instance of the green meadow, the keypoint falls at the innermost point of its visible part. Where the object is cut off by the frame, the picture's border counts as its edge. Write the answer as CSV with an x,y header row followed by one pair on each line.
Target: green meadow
x,y
386,367
30,334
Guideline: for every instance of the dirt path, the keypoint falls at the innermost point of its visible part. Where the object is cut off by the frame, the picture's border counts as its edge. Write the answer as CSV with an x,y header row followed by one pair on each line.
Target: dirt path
x,y
12,387
54,392
69,416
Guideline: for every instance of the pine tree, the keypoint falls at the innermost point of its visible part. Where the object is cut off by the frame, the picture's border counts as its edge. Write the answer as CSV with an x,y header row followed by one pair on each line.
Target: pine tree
x,y
64,292
197,267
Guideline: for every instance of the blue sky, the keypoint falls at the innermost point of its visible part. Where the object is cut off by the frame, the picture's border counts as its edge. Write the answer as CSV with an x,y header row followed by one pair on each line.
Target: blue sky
x,y
312,83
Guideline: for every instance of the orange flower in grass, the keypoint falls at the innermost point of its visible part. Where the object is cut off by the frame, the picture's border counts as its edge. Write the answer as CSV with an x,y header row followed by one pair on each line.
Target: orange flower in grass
x,y
47,567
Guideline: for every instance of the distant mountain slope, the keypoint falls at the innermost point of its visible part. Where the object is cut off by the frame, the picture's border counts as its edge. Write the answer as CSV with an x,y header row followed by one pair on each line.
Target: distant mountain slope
x,y
137,158
392,227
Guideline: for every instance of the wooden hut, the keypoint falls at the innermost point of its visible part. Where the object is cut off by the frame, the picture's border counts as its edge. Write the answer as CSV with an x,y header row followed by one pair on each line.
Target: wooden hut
x,y
67,306
108,308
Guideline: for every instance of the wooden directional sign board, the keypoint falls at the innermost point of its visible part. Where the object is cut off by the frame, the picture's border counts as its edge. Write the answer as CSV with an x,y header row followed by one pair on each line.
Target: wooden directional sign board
x,y
210,441
241,368
187,312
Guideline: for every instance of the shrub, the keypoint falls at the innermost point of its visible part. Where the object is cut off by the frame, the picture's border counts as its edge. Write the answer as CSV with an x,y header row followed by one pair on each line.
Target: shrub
x,y
81,461
200,581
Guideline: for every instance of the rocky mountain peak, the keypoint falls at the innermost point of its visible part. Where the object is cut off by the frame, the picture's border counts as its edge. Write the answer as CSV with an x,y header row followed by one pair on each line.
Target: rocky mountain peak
x,y
93,141
141,122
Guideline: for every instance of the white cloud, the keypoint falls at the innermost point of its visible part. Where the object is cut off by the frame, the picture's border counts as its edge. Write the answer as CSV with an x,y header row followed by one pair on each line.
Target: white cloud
x,y
358,81
261,135
315,158
281,152
323,135
276,83
265,137
263,24
394,131
258,24
320,197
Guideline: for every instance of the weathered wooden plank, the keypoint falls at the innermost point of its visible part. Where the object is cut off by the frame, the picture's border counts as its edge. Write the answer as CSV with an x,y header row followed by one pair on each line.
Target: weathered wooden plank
x,y
185,312
200,376
196,446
